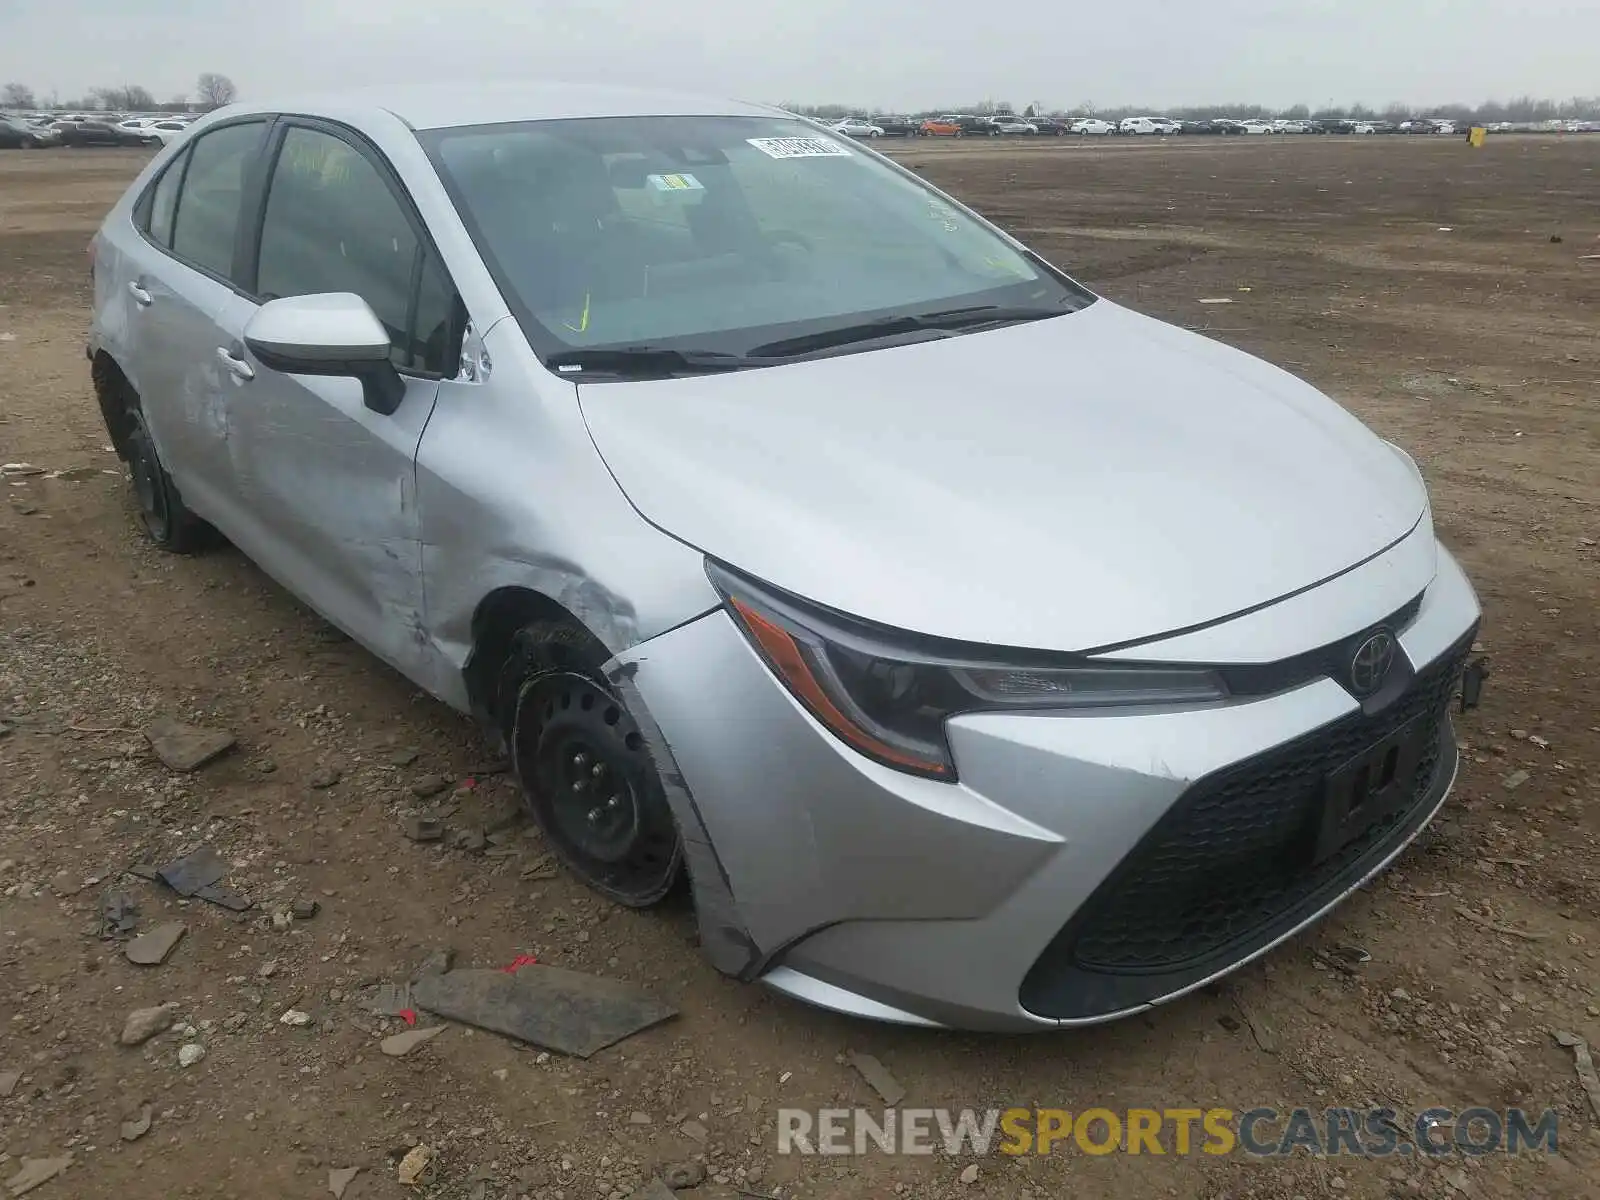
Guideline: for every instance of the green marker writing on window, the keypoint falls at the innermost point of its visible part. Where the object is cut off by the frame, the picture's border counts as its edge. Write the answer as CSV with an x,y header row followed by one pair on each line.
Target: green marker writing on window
x,y
583,322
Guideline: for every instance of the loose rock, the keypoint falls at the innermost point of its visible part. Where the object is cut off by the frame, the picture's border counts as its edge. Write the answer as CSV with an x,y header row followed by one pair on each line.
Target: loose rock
x,y
186,747
429,785
654,1190
423,829
414,1164
340,1179
695,1131
144,1023
294,1017
473,841
8,1082
190,1053
36,1171
151,949
398,1045
684,1174
970,1175
136,1127
325,776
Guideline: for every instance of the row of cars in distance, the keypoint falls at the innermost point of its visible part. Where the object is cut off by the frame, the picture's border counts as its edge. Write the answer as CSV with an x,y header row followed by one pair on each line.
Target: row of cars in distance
x,y
1008,124
964,125
42,131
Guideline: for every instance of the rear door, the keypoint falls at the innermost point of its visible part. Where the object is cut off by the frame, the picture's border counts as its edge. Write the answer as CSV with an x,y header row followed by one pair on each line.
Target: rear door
x,y
327,487
174,283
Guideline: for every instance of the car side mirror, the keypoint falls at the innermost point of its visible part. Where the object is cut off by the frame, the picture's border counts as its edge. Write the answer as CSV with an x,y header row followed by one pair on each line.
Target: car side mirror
x,y
332,334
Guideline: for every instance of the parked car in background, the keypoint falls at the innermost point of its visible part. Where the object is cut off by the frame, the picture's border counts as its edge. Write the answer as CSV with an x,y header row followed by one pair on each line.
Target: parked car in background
x,y
165,131
1255,127
1363,127
101,132
1138,126
897,126
855,127
1009,124
1446,127
1041,752
941,127
17,134
1048,126
1228,127
1092,127
1167,126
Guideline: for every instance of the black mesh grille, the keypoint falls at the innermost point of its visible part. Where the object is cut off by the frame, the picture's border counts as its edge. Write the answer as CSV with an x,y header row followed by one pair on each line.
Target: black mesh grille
x,y
1236,853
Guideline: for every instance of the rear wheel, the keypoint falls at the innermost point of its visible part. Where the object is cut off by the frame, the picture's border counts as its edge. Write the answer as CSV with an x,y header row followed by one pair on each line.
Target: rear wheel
x,y
165,518
586,771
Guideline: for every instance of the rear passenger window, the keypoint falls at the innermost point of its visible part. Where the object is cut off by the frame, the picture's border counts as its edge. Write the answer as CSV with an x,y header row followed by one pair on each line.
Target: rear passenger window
x,y
164,202
333,225
207,220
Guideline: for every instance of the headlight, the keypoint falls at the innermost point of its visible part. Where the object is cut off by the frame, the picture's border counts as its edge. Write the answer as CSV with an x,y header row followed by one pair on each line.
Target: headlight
x,y
888,696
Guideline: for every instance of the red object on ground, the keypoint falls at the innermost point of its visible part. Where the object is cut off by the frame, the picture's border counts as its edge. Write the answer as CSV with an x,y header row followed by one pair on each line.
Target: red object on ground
x,y
517,963
408,1015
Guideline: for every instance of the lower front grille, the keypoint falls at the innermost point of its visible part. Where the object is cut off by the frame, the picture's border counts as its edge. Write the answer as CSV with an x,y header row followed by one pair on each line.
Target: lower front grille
x,y
1233,865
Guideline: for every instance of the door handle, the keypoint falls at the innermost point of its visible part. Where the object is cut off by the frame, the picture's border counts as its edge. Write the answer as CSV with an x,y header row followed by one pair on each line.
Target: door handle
x,y
235,366
140,297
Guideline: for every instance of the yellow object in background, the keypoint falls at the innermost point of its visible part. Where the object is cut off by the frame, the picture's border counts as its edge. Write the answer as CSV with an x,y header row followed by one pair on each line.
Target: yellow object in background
x,y
1477,136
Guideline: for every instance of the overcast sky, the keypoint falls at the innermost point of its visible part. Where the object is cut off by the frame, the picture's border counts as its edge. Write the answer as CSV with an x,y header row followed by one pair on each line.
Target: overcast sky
x,y
893,53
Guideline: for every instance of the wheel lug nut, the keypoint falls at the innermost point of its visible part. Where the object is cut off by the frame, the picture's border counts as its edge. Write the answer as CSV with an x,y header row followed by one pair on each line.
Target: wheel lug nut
x,y
578,785
594,816
580,760
614,802
598,770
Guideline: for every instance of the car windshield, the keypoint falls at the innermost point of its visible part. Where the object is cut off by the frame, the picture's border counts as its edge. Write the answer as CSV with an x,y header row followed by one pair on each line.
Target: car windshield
x,y
718,234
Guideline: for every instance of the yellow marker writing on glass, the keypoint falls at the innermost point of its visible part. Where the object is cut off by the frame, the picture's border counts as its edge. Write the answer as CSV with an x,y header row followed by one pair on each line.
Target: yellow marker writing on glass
x,y
583,322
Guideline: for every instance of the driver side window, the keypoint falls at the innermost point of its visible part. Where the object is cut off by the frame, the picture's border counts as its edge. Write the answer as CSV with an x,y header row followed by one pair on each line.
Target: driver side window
x,y
334,224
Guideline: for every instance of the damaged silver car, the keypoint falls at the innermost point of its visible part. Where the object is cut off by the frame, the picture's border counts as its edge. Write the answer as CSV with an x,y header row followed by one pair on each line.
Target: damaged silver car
x,y
979,652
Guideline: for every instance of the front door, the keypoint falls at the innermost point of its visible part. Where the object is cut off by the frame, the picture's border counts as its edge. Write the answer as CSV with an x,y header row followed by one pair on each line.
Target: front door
x,y
327,487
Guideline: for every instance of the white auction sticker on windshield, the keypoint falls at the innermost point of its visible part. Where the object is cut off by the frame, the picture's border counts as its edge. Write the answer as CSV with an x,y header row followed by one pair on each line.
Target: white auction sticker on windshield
x,y
799,147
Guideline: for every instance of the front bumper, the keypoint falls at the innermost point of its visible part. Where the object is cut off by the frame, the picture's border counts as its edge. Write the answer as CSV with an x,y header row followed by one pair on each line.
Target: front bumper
x,y
1087,865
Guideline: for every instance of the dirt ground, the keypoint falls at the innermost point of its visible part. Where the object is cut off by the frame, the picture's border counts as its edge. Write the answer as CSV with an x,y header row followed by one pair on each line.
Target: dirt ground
x,y
1439,292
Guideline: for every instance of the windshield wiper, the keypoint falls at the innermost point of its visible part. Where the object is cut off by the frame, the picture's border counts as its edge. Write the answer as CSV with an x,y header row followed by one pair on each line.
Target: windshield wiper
x,y
867,331
646,362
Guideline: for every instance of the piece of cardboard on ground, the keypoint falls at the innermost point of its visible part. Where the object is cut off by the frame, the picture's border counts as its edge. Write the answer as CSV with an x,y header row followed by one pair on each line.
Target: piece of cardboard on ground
x,y
559,1010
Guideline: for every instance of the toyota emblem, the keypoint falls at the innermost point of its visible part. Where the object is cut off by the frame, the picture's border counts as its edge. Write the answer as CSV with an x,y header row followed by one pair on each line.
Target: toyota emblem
x,y
1369,665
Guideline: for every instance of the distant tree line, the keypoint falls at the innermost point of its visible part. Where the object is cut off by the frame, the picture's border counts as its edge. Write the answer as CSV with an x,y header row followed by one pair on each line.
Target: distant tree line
x,y
211,91
1522,109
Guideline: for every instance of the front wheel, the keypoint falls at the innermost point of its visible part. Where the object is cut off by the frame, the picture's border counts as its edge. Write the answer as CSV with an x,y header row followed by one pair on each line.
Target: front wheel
x,y
586,772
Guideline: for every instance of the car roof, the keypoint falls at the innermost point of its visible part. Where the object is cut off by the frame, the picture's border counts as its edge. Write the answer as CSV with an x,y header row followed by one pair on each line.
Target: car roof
x,y
443,106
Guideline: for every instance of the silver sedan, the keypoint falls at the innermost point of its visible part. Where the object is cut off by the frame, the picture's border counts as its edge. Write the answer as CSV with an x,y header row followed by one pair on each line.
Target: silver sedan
x,y
979,652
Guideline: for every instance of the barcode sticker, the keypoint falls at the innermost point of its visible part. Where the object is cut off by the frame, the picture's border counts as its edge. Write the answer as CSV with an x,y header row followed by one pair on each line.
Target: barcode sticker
x,y
799,147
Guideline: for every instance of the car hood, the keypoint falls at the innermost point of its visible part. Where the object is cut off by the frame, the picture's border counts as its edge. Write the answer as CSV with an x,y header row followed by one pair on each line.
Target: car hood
x,y
1075,483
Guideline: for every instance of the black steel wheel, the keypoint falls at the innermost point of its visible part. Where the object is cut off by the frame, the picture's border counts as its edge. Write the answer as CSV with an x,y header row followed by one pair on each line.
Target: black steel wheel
x,y
162,512
585,768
